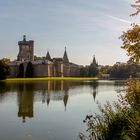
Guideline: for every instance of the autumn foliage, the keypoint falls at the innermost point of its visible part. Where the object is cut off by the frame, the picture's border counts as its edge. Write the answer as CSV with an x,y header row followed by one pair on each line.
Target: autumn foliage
x,y
131,42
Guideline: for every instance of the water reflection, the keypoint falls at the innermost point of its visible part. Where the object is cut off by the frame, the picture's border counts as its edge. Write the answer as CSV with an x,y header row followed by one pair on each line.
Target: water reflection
x,y
25,100
49,109
45,91
29,92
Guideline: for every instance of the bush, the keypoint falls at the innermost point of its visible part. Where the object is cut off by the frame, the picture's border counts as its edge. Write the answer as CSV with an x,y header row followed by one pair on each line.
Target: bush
x,y
118,122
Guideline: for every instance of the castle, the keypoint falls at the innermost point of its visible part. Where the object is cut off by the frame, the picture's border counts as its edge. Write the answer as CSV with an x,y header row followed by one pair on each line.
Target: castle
x,y
44,66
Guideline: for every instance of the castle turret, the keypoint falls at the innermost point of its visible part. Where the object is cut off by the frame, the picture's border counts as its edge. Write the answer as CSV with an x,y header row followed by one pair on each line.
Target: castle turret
x,y
94,63
48,57
93,68
65,57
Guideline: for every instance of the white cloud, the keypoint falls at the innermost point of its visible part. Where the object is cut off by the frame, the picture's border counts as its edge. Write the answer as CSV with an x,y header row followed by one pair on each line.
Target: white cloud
x,y
119,19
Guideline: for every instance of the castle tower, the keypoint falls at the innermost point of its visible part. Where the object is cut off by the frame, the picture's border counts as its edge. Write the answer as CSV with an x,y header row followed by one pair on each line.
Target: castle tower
x,y
93,68
65,57
48,57
26,50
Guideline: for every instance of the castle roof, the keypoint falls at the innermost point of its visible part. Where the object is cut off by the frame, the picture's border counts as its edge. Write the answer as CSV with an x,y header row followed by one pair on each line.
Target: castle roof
x,y
48,57
94,61
65,57
58,59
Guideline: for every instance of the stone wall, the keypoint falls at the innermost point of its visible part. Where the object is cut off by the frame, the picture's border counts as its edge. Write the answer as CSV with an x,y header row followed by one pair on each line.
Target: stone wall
x,y
40,70
74,71
66,72
57,69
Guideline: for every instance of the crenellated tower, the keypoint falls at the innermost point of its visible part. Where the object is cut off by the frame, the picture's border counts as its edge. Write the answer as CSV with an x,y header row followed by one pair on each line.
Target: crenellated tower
x,y
26,50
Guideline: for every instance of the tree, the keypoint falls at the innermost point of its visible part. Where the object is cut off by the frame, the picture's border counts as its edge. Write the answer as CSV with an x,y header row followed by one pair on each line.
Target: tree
x,y
136,6
4,70
124,71
119,121
29,70
131,38
131,42
105,69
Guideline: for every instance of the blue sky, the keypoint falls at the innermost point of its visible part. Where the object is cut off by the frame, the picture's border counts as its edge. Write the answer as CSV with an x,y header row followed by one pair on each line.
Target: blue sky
x,y
86,27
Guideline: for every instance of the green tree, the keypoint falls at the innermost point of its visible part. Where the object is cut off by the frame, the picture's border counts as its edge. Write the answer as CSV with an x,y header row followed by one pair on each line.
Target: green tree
x,y
105,69
29,70
4,70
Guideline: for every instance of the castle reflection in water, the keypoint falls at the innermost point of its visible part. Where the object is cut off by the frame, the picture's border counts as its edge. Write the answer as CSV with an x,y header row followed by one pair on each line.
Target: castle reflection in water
x,y
45,91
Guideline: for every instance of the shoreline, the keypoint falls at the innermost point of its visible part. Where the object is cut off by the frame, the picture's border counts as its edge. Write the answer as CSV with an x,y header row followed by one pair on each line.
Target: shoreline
x,y
51,78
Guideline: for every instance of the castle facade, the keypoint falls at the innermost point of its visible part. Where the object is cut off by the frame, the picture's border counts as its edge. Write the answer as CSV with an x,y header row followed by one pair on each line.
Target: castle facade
x,y
41,67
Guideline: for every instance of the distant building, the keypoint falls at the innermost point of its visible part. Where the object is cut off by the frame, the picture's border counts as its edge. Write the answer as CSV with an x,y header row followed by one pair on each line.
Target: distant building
x,y
42,66
105,76
93,68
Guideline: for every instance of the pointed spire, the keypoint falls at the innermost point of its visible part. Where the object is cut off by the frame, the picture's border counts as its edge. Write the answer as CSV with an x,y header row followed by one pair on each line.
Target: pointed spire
x,y
48,57
65,57
94,61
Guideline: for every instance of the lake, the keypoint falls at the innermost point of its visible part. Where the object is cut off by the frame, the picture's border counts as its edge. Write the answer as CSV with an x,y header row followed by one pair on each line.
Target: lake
x,y
50,110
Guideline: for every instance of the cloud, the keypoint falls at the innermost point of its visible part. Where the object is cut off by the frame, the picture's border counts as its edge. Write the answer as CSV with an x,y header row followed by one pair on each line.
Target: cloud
x,y
119,19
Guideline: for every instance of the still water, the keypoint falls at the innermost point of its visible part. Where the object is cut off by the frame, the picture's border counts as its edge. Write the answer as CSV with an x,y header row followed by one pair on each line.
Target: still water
x,y
50,110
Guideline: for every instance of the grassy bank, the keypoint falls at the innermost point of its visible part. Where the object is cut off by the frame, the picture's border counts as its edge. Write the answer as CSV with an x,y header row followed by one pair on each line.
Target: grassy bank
x,y
51,78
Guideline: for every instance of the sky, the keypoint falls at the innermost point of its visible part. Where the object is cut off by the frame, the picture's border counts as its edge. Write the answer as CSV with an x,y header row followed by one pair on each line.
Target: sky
x,y
85,27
